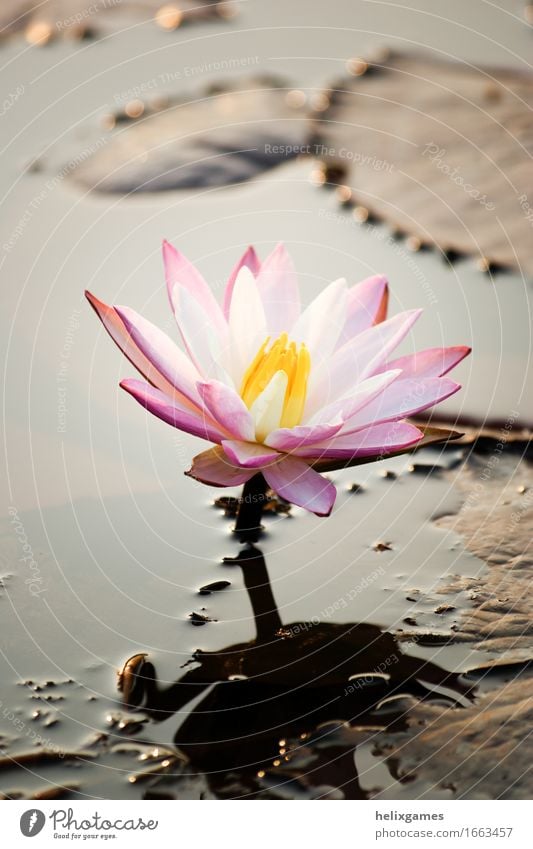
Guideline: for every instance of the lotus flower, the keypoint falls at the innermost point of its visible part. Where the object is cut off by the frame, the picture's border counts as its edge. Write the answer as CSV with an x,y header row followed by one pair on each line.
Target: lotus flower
x,y
278,389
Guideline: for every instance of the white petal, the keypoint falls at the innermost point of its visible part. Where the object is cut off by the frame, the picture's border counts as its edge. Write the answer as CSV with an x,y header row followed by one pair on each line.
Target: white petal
x,y
278,286
227,408
247,323
366,306
355,361
268,406
320,325
182,274
200,338
361,394
167,358
406,398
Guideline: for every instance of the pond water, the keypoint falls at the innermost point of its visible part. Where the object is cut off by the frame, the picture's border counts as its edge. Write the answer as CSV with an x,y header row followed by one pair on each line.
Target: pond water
x,y
105,543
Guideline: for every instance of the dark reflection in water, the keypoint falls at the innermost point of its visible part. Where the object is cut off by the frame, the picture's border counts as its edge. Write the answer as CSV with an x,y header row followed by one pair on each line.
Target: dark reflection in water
x,y
292,705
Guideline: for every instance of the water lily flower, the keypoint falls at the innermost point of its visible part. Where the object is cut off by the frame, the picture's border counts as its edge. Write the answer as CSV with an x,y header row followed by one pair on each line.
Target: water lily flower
x,y
280,389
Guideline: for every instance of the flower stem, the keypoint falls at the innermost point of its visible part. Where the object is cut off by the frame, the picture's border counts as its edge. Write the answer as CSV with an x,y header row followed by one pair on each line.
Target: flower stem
x,y
254,571
252,501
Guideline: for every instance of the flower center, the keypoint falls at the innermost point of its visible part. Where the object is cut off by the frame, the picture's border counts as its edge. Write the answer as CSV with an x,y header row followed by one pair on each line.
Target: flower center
x,y
274,386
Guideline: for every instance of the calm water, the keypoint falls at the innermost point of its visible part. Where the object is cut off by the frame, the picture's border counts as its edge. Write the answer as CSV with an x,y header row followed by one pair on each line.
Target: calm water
x,y
119,540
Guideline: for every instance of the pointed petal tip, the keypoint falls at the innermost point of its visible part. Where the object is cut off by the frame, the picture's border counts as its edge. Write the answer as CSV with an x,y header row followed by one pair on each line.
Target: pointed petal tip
x,y
280,250
93,300
378,280
105,312
213,468
327,512
168,250
249,258
298,483
171,253
462,351
341,282
409,316
189,473
250,251
323,513
452,388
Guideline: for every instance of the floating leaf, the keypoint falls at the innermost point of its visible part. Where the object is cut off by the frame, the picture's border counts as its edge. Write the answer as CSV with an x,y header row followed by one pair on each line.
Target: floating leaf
x,y
439,150
220,137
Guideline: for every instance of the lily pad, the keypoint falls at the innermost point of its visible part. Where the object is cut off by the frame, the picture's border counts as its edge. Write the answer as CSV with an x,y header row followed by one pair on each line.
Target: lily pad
x,y
439,150
222,136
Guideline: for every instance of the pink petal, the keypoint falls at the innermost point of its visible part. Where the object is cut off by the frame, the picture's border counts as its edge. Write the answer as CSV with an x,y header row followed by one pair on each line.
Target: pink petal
x,y
169,411
159,349
118,332
179,272
367,305
288,438
295,481
205,348
213,467
433,362
278,286
250,260
228,409
361,395
249,455
404,398
321,323
378,440
357,360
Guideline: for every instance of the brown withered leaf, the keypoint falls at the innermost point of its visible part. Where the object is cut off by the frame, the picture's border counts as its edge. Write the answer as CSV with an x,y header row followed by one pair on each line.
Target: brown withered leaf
x,y
221,136
439,150
483,435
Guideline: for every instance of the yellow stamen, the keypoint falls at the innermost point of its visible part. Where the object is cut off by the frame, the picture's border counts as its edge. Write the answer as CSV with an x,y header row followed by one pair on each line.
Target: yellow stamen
x,y
251,370
285,357
297,390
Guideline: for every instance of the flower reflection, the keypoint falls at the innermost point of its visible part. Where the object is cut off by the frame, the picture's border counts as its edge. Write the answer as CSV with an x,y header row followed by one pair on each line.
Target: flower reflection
x,y
291,705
